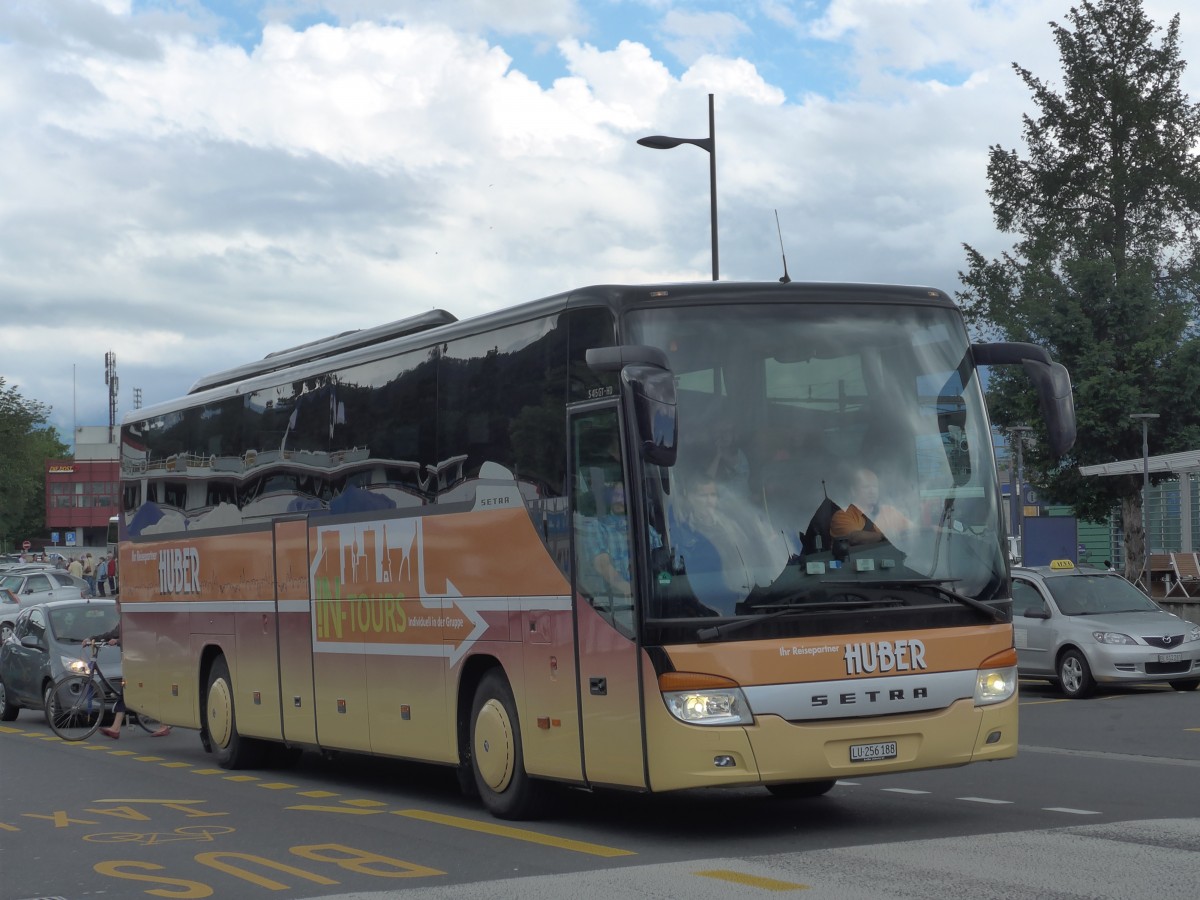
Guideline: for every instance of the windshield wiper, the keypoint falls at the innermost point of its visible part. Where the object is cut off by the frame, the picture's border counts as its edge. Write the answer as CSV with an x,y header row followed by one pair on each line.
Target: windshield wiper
x,y
937,584
716,631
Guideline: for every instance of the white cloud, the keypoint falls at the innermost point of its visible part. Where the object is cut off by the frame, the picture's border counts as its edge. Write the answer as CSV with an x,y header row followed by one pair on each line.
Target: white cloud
x,y
191,204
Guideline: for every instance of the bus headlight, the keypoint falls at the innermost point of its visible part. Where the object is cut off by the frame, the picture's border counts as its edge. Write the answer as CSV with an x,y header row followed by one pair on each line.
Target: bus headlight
x,y
996,679
704,699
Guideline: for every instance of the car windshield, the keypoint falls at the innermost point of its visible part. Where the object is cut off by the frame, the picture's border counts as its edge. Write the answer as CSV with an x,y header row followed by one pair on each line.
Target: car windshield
x,y
75,624
11,582
785,412
1092,595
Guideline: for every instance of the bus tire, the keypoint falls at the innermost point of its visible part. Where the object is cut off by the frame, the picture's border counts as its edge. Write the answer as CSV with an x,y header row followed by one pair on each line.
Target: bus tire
x,y
220,722
497,760
801,790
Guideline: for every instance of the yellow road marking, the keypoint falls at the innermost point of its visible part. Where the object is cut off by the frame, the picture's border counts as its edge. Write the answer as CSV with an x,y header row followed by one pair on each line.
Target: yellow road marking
x,y
313,807
519,834
276,785
149,758
241,778
767,884
208,771
9,729
319,795
122,752
176,765
364,803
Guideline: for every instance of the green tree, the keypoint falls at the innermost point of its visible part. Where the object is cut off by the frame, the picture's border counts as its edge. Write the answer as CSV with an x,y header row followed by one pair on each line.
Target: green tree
x,y
27,442
1106,269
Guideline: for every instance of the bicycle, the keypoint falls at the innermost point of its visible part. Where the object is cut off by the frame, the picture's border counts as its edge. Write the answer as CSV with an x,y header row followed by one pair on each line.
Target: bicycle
x,y
77,702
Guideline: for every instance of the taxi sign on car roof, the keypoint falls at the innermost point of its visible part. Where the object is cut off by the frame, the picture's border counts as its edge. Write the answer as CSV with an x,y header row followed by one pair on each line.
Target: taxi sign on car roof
x,y
1061,564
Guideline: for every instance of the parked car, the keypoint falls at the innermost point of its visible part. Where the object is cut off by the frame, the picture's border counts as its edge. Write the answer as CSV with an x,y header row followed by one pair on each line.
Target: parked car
x,y
1079,627
47,641
42,585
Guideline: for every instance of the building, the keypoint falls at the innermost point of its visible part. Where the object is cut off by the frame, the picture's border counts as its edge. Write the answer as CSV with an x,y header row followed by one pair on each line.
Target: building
x,y
83,493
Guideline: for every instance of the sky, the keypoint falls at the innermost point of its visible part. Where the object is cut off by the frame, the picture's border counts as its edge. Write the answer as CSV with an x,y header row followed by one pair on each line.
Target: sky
x,y
193,184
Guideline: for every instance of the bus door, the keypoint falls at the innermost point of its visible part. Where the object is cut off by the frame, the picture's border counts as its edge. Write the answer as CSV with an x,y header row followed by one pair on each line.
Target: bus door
x,y
293,604
605,611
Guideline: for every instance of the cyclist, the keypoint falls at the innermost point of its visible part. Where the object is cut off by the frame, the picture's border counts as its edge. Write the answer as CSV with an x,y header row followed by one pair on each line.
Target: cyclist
x,y
113,636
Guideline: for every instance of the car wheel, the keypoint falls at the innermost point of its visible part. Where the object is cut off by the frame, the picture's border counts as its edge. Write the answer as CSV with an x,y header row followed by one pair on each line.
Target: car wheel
x,y
1185,684
1075,675
6,631
8,711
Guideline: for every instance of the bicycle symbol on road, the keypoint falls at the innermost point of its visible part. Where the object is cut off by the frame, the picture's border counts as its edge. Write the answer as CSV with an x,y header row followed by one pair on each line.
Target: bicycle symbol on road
x,y
183,833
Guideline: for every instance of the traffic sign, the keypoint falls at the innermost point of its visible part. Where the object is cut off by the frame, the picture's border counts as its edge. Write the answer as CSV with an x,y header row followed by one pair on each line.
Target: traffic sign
x,y
26,545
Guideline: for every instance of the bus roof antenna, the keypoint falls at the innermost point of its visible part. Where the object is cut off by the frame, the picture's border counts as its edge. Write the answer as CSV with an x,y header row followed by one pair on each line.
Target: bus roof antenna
x,y
785,279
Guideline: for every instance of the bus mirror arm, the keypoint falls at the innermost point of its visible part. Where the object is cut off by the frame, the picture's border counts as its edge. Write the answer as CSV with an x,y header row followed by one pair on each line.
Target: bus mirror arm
x,y
1051,379
614,359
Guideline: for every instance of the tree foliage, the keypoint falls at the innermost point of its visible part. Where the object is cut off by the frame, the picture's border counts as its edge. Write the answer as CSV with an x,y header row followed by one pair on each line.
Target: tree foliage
x,y
1106,269
27,442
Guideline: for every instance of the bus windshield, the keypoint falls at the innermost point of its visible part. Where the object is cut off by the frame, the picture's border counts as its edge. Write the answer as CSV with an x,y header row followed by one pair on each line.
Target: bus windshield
x,y
828,455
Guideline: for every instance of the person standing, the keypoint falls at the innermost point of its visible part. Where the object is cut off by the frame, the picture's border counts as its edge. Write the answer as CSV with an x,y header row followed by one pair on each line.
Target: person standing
x,y
102,575
75,567
112,575
89,574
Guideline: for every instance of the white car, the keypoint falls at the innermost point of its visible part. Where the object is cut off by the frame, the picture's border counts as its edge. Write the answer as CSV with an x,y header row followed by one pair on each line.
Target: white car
x,y
1079,627
41,585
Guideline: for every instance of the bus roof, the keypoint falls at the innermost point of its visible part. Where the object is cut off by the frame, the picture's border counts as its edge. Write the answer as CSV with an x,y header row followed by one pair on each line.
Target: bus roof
x,y
438,325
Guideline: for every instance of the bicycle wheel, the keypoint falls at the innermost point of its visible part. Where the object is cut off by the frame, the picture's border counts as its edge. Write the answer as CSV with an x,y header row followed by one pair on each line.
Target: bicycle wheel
x,y
75,707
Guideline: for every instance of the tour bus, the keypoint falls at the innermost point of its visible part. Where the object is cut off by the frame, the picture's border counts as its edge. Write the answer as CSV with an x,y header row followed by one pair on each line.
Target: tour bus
x,y
476,543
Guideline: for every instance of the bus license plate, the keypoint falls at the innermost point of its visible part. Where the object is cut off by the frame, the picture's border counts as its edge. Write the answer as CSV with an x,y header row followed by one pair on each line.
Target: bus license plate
x,y
1170,657
870,752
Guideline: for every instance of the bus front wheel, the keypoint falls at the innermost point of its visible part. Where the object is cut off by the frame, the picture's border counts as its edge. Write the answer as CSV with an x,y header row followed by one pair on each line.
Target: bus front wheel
x,y
497,760
220,722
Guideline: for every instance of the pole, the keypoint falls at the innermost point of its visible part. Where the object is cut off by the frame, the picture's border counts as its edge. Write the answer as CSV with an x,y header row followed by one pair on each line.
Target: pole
x,y
1018,510
1143,578
1145,494
712,182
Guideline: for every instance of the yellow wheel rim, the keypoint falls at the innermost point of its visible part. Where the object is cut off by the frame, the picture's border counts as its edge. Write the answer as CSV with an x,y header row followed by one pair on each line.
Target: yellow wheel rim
x,y
220,713
494,745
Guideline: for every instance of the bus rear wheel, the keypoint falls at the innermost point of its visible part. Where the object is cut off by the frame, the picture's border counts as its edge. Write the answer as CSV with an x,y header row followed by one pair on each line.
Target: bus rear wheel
x,y
497,760
799,790
220,722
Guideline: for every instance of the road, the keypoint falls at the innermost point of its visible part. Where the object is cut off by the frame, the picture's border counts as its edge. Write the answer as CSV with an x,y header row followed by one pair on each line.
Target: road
x,y
1102,801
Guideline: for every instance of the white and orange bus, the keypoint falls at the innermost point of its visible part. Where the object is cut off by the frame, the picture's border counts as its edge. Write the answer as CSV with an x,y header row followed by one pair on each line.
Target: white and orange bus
x,y
409,541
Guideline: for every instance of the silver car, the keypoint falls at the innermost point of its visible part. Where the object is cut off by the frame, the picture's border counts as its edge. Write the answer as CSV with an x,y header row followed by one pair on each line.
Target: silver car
x,y
1079,627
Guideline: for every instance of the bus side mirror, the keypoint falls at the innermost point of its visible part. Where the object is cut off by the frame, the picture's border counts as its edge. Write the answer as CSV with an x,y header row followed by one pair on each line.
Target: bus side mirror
x,y
653,392
1051,379
646,376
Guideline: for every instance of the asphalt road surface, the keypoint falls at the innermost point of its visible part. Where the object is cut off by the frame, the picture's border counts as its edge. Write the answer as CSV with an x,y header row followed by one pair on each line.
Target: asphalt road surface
x,y
1102,801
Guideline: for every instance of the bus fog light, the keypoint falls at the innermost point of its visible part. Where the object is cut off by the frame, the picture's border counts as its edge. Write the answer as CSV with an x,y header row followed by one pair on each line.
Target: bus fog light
x,y
724,761
726,706
993,738
995,685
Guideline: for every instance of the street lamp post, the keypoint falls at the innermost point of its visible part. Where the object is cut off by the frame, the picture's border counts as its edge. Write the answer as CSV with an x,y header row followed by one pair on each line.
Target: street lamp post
x,y
1018,439
662,142
1145,417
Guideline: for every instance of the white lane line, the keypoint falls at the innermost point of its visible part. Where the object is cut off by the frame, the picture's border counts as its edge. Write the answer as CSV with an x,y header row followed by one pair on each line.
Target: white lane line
x,y
984,800
1074,812
904,791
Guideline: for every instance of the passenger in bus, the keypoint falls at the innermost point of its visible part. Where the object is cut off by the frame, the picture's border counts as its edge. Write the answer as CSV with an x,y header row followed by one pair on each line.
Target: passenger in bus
x,y
727,464
866,520
705,547
609,542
